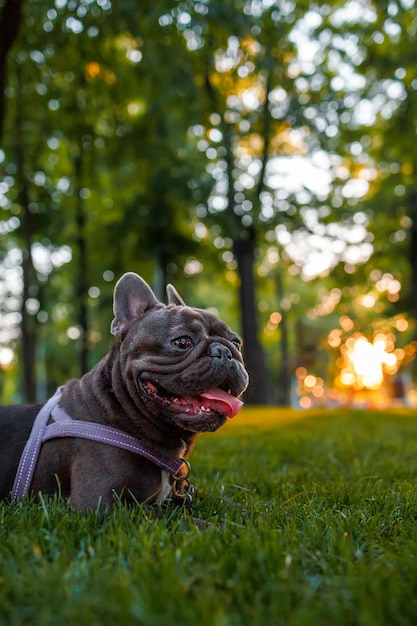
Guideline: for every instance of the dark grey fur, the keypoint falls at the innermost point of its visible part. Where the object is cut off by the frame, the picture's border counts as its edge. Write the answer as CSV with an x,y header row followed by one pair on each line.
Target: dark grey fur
x,y
115,392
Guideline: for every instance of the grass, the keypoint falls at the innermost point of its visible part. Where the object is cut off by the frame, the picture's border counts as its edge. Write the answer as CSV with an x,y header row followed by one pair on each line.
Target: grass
x,y
313,523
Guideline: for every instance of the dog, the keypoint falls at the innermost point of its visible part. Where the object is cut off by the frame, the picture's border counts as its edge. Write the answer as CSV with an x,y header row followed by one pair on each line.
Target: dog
x,y
173,371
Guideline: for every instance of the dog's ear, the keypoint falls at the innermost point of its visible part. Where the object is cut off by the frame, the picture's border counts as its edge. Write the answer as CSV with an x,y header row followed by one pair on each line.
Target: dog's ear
x,y
132,297
174,297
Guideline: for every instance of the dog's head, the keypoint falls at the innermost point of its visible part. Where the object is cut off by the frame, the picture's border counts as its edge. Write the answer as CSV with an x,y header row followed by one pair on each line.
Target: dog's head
x,y
178,363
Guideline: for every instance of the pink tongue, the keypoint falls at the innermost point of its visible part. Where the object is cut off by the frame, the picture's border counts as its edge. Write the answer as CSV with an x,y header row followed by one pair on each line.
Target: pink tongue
x,y
222,402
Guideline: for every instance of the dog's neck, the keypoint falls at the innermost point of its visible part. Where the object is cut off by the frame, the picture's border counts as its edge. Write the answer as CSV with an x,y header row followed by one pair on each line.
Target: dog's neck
x,y
100,396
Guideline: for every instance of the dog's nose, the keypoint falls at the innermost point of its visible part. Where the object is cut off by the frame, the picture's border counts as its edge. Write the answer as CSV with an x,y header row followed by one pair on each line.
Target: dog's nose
x,y
220,351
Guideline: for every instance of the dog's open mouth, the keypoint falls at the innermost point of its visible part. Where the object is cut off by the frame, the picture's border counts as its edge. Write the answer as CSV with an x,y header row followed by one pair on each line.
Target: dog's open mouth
x,y
210,401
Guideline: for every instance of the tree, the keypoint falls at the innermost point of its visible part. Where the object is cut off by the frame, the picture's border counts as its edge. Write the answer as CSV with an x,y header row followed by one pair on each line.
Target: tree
x,y
96,192
261,141
10,18
376,118
240,70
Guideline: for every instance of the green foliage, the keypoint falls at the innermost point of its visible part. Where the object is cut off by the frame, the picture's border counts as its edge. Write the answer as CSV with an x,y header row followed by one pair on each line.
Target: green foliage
x,y
312,521
145,135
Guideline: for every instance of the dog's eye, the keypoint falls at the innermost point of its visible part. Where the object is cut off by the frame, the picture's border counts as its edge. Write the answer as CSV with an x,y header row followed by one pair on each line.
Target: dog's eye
x,y
237,344
183,343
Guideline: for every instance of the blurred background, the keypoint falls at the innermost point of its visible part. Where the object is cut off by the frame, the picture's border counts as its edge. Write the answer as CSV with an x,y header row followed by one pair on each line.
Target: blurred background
x,y
260,155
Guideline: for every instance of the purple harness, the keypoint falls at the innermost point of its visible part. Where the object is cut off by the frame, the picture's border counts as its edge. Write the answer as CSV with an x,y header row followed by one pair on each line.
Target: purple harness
x,y
64,426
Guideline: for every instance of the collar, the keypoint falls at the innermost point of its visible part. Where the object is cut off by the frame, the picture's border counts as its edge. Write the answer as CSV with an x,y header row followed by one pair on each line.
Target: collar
x,y
62,425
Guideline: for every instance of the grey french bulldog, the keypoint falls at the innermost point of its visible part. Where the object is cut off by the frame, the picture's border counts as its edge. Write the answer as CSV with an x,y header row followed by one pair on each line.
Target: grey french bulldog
x,y
126,428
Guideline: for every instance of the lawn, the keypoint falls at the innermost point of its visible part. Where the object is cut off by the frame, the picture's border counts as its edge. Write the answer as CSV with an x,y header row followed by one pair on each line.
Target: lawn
x,y
312,523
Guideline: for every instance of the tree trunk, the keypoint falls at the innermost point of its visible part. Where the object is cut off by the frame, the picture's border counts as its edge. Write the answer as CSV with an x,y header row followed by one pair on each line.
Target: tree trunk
x,y
28,329
413,257
285,377
244,244
259,388
10,18
28,324
160,278
81,281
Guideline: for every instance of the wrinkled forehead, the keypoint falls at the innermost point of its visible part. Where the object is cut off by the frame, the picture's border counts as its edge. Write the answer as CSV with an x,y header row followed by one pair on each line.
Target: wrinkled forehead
x,y
199,319
185,318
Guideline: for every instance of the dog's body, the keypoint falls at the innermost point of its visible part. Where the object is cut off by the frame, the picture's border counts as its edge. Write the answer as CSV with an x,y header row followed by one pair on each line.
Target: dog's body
x,y
173,372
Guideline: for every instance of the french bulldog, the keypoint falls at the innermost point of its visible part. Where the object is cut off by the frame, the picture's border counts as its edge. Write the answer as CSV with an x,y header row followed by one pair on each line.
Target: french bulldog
x,y
173,371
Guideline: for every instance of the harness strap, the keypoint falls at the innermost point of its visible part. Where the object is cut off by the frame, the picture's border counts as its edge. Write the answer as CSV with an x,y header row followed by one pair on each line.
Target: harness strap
x,y
32,448
112,437
65,426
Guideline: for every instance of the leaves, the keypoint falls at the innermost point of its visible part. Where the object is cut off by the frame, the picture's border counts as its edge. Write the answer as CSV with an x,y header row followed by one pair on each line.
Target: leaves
x,y
249,140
